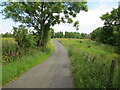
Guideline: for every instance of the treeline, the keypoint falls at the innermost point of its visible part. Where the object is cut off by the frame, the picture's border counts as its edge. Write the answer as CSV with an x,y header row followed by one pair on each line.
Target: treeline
x,y
70,35
110,32
52,34
7,35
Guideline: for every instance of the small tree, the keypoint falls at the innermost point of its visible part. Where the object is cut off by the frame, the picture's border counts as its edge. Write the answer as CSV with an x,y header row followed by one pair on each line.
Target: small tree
x,y
23,37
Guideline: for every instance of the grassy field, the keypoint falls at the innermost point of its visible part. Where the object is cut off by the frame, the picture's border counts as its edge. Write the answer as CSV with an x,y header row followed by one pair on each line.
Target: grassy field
x,y
91,62
8,44
24,62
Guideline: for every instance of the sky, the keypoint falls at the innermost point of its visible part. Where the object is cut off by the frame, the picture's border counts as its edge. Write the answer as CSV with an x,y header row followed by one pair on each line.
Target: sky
x,y
89,21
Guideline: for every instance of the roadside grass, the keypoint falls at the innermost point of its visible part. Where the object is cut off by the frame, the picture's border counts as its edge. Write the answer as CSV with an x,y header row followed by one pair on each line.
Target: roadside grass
x,y
23,63
91,63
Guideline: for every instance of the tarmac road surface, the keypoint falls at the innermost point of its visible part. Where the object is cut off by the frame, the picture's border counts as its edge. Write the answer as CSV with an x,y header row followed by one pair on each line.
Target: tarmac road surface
x,y
54,72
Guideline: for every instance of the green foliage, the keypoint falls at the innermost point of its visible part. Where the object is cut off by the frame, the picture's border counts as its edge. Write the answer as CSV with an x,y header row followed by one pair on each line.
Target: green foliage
x,y
42,15
24,62
9,49
52,32
8,44
71,35
47,37
90,63
112,22
106,35
85,36
76,24
111,18
109,33
7,35
58,35
23,37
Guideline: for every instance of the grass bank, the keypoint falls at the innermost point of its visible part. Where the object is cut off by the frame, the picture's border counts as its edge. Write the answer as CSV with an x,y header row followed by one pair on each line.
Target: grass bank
x,y
91,63
21,64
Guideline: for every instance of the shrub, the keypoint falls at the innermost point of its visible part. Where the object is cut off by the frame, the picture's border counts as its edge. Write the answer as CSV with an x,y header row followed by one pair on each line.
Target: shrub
x,y
23,37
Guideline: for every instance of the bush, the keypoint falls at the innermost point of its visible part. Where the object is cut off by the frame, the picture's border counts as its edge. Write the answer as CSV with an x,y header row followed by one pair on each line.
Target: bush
x,y
24,37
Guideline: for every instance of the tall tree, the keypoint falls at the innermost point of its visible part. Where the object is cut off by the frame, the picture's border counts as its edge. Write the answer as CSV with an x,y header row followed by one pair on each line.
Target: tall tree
x,y
110,32
42,15
112,24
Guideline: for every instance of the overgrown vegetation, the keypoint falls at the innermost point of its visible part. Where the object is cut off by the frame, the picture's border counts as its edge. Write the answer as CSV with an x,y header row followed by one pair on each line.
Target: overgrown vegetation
x,y
91,63
23,37
110,32
21,53
8,44
24,61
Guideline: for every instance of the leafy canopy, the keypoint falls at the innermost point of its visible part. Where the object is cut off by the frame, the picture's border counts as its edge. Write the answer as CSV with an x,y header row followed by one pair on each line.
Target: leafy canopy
x,y
42,15
54,12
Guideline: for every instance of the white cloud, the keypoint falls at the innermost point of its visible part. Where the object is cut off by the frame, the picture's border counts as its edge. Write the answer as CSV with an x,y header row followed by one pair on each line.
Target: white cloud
x,y
89,21
103,0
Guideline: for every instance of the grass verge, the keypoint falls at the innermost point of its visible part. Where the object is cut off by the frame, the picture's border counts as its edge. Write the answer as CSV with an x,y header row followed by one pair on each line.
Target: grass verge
x,y
91,62
15,68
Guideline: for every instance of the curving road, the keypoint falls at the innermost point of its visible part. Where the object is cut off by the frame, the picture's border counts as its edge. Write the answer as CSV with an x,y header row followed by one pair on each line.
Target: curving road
x,y
54,72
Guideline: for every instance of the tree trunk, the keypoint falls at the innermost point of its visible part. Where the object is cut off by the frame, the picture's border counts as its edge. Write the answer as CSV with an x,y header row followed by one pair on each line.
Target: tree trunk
x,y
41,26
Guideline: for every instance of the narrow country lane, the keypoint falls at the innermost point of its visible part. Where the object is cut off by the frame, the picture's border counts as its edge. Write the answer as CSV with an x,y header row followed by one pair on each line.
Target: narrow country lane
x,y
52,73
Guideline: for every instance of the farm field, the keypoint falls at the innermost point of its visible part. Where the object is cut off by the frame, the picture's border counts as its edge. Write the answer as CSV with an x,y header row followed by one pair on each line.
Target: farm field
x,y
15,63
91,63
9,44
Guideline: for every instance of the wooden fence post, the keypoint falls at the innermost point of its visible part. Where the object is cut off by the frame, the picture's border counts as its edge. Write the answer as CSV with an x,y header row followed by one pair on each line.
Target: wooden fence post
x,y
10,52
94,58
87,58
111,75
